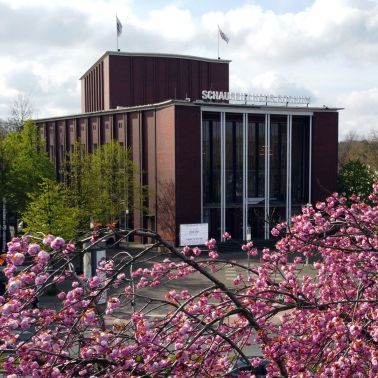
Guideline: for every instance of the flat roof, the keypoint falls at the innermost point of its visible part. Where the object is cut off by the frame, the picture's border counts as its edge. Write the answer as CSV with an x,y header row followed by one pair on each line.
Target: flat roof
x,y
207,104
302,108
155,55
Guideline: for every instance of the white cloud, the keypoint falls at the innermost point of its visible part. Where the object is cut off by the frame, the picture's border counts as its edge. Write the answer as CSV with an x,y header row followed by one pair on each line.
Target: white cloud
x,y
361,112
180,26
327,50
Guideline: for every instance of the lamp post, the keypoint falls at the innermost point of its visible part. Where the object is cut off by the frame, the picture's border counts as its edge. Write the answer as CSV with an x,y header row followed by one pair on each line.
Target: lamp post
x,y
126,215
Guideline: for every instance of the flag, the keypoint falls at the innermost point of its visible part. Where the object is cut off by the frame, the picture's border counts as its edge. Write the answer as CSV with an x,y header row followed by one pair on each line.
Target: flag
x,y
223,36
119,27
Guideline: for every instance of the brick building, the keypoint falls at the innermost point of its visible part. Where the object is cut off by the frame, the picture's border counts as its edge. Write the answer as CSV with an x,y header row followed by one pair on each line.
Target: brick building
x,y
237,162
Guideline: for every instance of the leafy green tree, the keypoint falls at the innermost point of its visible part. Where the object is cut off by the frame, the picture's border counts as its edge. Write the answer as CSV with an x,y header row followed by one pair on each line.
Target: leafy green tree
x,y
103,185
356,177
25,164
111,180
77,187
355,148
49,212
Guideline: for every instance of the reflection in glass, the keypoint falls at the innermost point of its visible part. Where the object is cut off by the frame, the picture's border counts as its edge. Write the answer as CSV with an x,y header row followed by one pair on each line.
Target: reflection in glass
x,y
234,174
278,168
211,166
212,216
256,176
211,158
256,156
299,158
234,158
278,142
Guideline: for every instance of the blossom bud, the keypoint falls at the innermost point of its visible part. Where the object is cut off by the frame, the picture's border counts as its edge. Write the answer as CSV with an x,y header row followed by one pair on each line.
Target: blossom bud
x,y
43,257
33,249
18,258
57,243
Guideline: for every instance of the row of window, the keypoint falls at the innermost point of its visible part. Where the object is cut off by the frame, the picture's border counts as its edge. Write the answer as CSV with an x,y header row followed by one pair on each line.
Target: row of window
x,y
266,143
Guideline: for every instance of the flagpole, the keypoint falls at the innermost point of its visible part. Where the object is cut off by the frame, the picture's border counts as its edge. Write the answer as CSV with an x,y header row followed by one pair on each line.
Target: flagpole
x,y
218,43
117,30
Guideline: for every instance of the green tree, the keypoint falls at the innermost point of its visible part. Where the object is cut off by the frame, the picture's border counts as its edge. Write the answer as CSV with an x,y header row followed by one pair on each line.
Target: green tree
x,y
77,187
104,185
111,180
355,148
25,165
49,212
356,177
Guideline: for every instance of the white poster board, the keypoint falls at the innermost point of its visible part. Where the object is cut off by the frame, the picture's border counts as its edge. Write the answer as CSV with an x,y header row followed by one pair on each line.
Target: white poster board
x,y
194,234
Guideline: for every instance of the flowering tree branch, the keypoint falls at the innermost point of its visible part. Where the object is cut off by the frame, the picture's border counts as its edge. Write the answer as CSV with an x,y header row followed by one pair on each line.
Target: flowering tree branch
x,y
310,321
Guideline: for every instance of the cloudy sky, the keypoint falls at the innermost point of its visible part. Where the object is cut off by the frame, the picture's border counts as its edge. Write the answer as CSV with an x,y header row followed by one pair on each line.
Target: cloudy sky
x,y
326,49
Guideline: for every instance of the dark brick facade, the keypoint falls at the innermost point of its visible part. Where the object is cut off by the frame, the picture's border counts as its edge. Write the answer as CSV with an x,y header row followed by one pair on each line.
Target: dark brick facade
x,y
126,79
165,137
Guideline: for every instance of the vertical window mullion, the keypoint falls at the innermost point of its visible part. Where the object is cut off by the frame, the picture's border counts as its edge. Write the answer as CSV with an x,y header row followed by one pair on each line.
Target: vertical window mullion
x,y
267,174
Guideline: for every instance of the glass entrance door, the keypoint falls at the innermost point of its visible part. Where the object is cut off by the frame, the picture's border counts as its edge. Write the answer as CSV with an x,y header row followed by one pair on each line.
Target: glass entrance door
x,y
255,162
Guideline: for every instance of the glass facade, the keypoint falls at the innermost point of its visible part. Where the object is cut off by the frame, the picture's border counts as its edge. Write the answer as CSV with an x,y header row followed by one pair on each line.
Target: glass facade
x,y
255,171
256,176
234,174
277,169
211,168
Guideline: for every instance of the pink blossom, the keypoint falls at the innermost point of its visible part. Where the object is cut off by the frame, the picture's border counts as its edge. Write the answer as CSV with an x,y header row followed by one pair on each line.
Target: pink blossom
x,y
57,243
41,279
94,282
211,244
226,236
69,249
43,257
18,258
112,304
48,239
62,295
309,320
33,249
275,232
196,251
121,276
213,254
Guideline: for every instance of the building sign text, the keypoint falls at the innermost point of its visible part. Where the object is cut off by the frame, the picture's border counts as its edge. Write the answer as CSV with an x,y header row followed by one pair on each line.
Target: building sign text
x,y
255,98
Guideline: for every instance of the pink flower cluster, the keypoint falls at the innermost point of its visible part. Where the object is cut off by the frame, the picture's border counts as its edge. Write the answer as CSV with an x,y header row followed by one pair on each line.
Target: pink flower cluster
x,y
315,320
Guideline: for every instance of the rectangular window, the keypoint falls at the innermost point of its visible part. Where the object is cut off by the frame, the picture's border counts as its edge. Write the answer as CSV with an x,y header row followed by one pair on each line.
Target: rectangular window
x,y
234,158
300,162
256,157
211,165
278,148
211,150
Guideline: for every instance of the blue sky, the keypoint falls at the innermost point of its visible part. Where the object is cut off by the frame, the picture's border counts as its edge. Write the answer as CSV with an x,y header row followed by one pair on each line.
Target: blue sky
x,y
325,49
198,7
